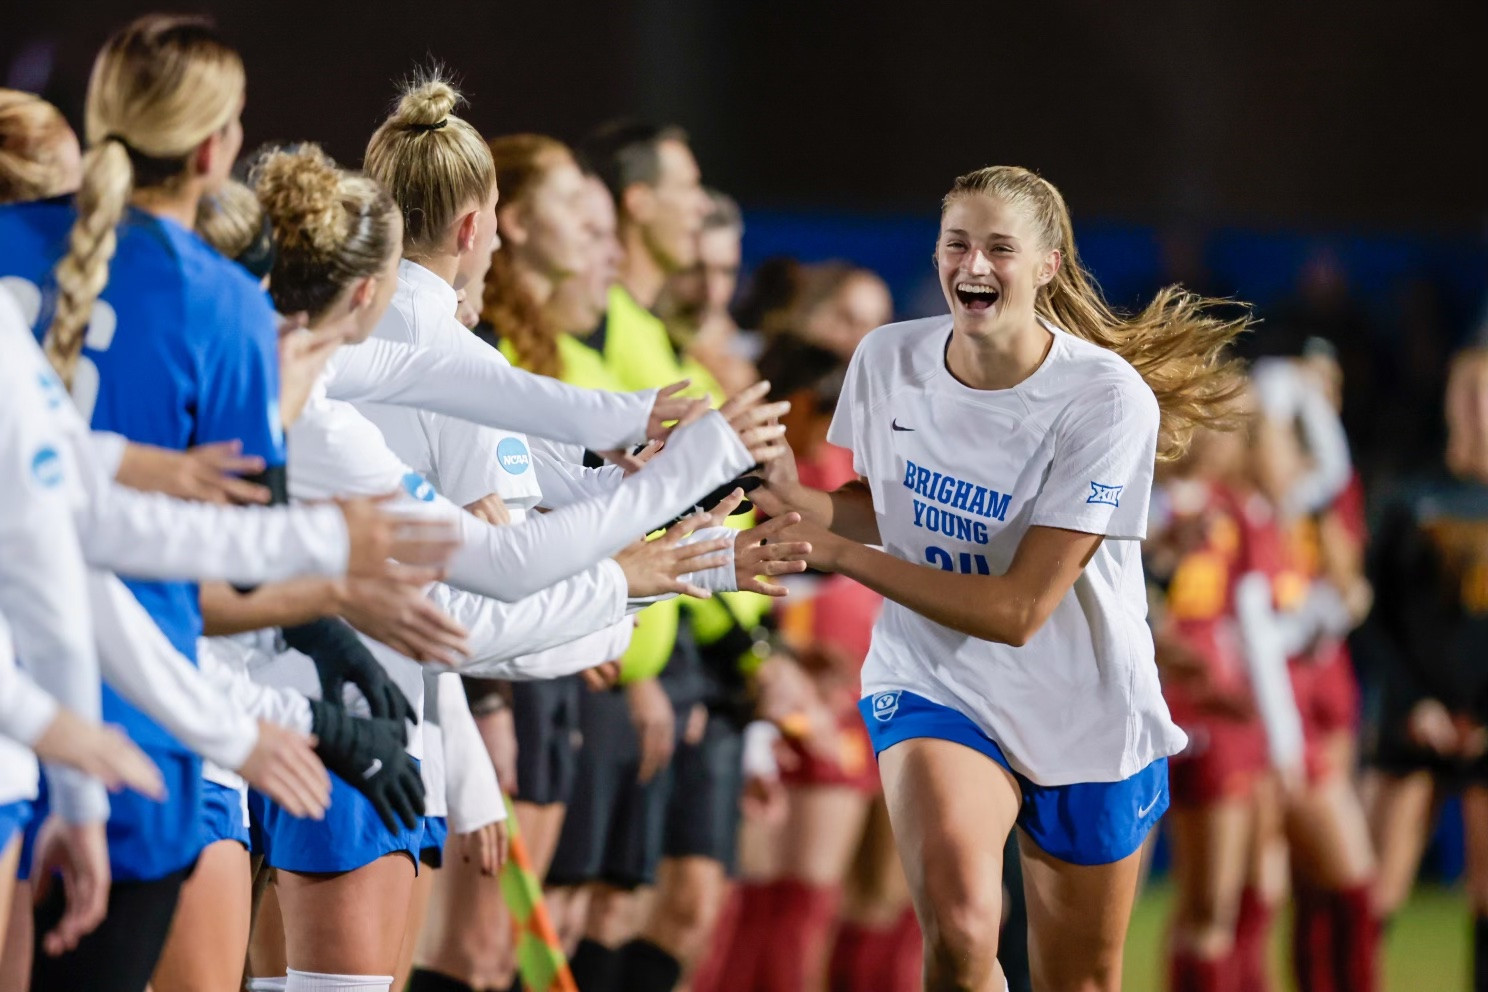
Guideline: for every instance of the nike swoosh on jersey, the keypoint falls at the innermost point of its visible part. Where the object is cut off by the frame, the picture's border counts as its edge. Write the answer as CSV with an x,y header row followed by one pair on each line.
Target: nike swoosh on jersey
x,y
895,425
1144,810
376,767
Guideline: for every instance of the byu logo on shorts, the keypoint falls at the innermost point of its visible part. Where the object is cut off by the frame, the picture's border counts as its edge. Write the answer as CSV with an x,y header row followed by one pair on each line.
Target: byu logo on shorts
x,y
1109,495
885,705
511,453
418,487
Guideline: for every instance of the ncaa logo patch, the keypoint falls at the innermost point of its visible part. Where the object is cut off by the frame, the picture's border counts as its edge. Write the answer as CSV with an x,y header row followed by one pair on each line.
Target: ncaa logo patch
x,y
418,487
885,705
46,467
1109,495
512,455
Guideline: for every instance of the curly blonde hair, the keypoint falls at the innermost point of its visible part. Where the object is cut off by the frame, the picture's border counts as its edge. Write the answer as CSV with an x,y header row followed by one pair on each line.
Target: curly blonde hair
x,y
331,227
1177,342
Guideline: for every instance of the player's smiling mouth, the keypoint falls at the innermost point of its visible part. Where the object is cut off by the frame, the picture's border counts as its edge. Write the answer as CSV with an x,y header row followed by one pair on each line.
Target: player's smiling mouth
x,y
977,297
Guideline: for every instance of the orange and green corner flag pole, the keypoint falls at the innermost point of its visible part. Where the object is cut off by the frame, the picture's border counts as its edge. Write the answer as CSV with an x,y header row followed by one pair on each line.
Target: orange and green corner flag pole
x,y
540,959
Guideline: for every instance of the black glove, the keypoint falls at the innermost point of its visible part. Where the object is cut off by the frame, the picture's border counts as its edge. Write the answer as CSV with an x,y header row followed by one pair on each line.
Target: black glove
x,y
369,756
748,483
340,657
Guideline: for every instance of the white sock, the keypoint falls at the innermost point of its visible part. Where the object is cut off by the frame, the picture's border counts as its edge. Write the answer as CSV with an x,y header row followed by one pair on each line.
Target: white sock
x,y
267,984
314,981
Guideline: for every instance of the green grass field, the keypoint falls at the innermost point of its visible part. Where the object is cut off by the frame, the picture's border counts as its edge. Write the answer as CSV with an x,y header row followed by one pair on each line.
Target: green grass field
x,y
1426,950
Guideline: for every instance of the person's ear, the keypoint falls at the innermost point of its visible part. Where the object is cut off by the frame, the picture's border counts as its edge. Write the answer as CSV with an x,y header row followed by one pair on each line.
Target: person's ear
x,y
1050,268
465,231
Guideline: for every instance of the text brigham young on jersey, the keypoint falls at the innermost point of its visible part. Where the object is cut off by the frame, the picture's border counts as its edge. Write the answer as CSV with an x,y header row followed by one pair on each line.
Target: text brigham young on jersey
x,y
947,490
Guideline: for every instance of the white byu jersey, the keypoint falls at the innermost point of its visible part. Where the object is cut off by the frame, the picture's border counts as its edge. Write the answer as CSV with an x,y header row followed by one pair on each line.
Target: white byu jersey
x,y
958,476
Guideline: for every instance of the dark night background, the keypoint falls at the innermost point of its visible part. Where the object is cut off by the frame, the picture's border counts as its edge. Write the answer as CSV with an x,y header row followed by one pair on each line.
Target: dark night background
x,y
1256,112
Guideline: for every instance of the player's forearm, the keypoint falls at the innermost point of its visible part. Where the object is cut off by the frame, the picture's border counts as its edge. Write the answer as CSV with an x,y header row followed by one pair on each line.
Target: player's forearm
x,y
290,603
852,513
847,510
989,607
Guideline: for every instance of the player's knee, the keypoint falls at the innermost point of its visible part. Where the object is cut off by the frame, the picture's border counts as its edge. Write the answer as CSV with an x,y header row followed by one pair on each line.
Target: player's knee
x,y
1076,969
961,939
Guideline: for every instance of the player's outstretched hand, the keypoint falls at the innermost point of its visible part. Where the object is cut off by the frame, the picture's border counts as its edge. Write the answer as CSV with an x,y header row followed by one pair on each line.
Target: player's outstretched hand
x,y
399,615
655,567
763,551
758,423
101,751
207,473
386,542
670,408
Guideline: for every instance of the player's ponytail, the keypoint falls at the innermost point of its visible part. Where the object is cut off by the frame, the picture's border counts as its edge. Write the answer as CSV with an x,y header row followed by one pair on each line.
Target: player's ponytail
x,y
83,271
433,163
159,88
1178,342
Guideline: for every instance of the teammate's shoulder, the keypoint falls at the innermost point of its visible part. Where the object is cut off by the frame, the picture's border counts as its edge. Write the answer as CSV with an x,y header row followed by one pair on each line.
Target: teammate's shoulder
x,y
212,282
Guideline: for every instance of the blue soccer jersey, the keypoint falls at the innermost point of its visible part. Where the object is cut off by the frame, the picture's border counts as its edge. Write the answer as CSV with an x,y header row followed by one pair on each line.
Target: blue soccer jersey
x,y
181,350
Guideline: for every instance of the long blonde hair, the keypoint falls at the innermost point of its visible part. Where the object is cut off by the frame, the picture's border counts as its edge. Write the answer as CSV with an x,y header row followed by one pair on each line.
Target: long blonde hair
x,y
331,227
432,162
1177,344
159,88
30,129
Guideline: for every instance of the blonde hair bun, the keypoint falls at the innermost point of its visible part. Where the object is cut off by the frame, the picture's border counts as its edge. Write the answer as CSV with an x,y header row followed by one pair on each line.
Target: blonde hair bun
x,y
427,101
301,188
434,164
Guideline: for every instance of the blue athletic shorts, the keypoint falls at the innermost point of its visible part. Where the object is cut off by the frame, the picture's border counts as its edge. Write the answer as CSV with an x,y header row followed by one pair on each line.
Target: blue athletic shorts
x,y
350,836
13,819
436,832
1087,823
222,815
147,839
